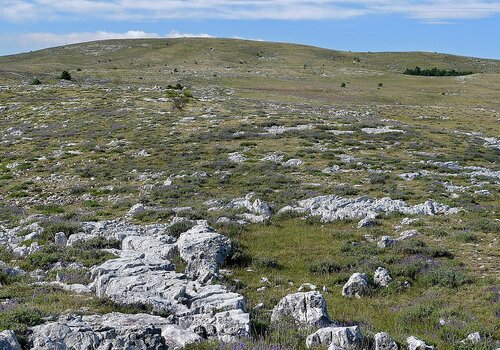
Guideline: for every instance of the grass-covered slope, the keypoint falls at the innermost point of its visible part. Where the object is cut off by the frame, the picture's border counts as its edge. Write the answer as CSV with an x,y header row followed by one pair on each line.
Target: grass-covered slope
x,y
118,135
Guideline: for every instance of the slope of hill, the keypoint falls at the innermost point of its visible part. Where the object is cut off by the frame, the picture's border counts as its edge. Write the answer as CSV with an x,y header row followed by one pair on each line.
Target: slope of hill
x,y
120,188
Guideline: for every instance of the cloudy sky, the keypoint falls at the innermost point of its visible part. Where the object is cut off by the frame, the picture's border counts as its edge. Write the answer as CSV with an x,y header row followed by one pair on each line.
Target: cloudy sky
x,y
464,27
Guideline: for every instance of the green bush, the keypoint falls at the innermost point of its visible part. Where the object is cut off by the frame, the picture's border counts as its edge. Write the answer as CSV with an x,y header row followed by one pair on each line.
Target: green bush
x,y
378,178
49,209
179,227
19,318
51,227
86,254
36,81
65,75
466,237
324,268
265,262
446,276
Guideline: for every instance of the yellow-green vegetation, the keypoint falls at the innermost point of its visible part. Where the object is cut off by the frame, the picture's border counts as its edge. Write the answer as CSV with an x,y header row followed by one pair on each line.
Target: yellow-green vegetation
x,y
154,122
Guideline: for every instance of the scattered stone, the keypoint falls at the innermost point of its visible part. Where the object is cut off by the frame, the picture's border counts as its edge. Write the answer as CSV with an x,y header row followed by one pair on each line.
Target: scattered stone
x,y
385,242
143,153
416,344
483,193
348,159
304,309
274,157
408,234
382,277
293,163
237,157
136,209
383,341
473,338
367,222
60,239
356,286
331,170
410,176
259,306
408,221
382,130
307,286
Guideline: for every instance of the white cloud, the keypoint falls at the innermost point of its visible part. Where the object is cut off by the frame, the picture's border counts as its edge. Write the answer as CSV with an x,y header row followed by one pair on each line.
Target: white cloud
x,y
34,41
53,39
13,10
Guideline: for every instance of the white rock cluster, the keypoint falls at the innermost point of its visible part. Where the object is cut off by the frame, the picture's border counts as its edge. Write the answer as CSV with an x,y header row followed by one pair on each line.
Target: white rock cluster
x,y
332,207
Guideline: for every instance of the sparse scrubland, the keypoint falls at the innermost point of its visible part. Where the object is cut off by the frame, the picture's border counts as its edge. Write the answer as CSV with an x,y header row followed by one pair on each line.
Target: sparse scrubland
x,y
177,190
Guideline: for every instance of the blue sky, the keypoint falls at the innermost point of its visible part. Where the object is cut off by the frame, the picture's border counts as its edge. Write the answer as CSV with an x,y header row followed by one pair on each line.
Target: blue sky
x,y
463,27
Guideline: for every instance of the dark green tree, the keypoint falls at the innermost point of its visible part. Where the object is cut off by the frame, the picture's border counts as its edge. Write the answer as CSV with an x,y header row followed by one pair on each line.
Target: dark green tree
x,y
65,75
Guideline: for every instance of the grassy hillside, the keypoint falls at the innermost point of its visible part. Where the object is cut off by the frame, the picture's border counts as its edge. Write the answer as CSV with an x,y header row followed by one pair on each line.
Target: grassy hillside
x,y
90,148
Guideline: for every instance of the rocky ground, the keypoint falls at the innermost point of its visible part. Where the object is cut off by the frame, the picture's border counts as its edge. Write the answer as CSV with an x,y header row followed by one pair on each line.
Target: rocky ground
x,y
210,194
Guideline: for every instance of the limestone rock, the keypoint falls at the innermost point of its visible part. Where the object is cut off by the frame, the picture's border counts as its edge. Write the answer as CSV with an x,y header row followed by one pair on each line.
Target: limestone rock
x,y
227,326
237,157
60,239
331,208
367,222
204,250
383,341
293,163
136,209
336,338
386,241
100,332
305,309
254,206
473,338
149,245
8,341
356,286
416,344
382,277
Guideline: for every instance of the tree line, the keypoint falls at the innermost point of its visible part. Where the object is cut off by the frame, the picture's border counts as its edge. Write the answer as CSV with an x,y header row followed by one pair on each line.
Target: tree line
x,y
434,72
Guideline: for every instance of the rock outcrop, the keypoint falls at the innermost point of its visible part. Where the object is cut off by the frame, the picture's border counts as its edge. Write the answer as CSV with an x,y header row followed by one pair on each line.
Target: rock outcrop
x,y
204,250
110,331
143,274
331,208
336,338
8,341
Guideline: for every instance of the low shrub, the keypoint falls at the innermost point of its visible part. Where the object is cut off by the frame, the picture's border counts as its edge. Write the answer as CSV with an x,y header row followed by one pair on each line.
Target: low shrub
x,y
324,267
265,262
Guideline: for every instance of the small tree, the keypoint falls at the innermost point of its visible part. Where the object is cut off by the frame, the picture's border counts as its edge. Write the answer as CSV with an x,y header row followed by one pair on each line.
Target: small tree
x,y
380,84
36,81
65,75
342,85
